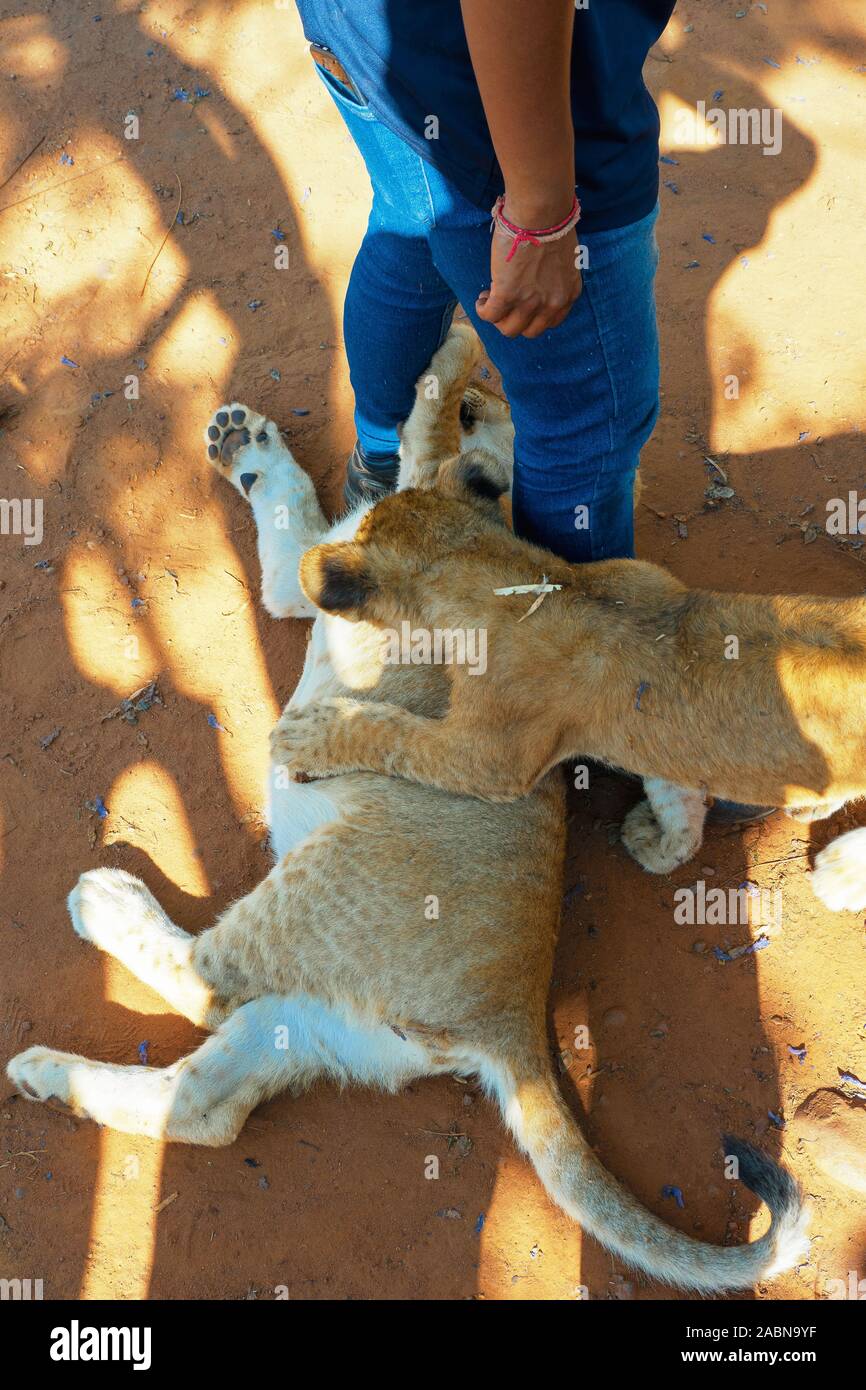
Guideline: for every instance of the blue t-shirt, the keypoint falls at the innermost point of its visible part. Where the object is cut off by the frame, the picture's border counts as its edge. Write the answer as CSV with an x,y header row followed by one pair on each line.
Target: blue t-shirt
x,y
410,61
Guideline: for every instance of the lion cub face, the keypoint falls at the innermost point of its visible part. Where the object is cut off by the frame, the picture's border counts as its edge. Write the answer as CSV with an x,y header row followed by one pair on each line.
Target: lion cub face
x,y
402,537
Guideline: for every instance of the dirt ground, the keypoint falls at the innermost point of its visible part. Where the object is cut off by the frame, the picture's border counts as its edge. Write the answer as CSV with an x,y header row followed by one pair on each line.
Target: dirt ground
x,y
148,570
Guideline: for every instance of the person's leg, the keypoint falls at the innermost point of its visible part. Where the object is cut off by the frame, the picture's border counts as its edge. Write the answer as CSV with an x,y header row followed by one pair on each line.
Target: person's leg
x,y
579,433
584,396
398,308
396,314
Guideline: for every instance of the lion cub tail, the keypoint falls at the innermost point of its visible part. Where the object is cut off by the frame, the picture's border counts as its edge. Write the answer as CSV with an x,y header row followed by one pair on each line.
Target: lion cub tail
x,y
582,1186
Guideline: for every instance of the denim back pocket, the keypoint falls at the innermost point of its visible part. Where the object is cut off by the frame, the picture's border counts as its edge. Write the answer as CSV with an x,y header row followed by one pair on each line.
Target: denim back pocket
x,y
346,97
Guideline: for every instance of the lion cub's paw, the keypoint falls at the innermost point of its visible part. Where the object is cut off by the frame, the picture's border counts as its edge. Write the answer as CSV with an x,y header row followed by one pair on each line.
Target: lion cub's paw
x,y
839,876
303,740
245,448
106,904
657,850
41,1074
453,362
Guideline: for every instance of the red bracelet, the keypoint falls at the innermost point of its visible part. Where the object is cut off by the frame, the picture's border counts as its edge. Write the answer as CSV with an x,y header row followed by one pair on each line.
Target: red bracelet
x,y
536,235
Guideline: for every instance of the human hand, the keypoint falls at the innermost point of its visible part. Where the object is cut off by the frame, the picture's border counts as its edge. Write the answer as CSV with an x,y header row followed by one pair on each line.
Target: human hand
x,y
534,289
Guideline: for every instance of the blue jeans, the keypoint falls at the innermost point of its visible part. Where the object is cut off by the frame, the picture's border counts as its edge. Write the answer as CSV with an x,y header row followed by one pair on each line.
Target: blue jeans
x,y
583,396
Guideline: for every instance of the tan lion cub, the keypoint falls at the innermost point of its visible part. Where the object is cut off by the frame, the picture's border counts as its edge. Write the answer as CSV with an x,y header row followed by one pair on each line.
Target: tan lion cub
x,y
702,694
330,967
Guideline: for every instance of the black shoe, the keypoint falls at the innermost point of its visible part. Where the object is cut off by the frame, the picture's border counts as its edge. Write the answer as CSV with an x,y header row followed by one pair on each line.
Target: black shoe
x,y
738,813
366,482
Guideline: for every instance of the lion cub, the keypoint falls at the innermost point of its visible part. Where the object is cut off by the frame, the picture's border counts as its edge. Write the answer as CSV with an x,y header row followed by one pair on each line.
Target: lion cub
x,y
330,968
761,699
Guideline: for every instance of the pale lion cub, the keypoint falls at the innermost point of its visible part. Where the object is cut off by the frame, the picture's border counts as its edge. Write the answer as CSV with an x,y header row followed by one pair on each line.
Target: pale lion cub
x,y
330,967
703,694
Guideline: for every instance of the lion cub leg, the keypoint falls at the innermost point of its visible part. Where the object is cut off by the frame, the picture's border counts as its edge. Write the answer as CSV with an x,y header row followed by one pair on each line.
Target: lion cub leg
x,y
666,829
264,1047
434,429
340,735
249,452
117,913
202,1099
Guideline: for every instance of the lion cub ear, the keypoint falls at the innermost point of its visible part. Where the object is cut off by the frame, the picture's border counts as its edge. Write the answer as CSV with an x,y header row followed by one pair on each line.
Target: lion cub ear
x,y
335,578
476,476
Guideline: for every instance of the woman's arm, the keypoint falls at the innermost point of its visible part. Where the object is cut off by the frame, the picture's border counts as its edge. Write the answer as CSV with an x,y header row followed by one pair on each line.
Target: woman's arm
x,y
521,54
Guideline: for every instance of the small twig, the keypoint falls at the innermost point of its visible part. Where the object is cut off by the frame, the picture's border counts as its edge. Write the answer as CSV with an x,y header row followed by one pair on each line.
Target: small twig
x,y
543,588
25,1153
22,162
168,230
50,187
762,863
785,859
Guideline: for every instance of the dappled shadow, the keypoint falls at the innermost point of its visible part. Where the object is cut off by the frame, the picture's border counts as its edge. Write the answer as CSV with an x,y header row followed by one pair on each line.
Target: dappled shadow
x,y
681,1048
